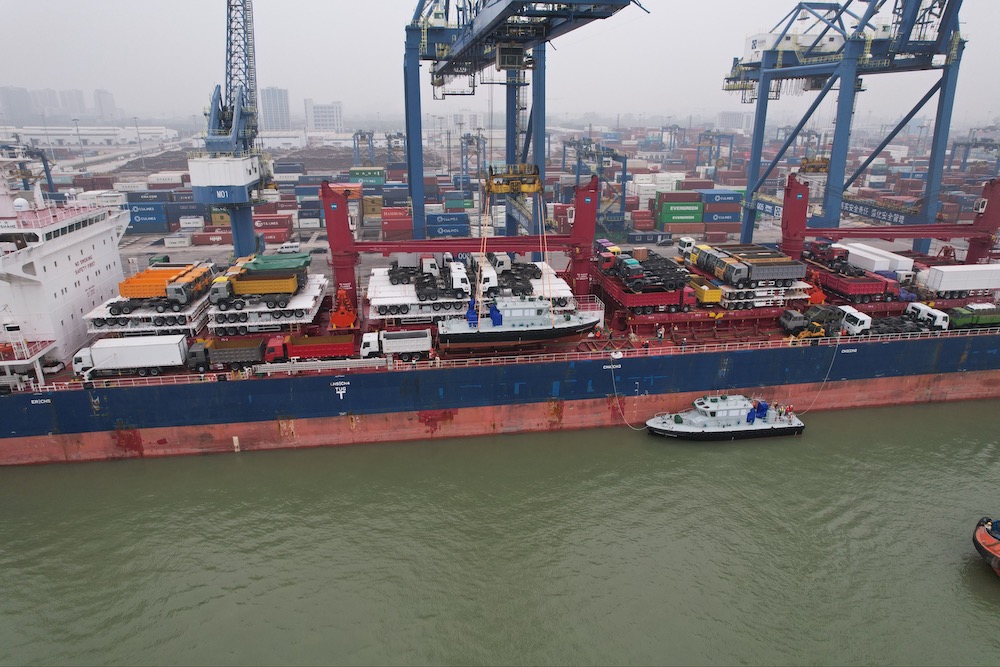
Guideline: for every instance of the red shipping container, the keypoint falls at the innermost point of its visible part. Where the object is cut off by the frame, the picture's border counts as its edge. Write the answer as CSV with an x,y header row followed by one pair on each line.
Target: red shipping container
x,y
676,196
684,227
696,184
727,227
390,212
286,206
161,186
216,228
398,235
631,203
397,224
270,207
266,223
643,225
723,208
276,235
174,226
212,238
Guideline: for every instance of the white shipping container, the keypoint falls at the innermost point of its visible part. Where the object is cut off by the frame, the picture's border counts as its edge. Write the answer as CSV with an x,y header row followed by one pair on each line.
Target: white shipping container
x,y
139,352
964,277
177,241
130,186
866,260
192,222
310,223
896,262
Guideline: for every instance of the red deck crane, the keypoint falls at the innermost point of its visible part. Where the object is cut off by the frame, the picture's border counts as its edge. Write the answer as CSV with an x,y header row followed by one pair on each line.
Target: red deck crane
x,y
345,251
981,233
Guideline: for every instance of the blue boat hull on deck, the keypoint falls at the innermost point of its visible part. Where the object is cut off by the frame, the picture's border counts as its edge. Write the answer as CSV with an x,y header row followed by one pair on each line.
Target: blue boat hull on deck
x,y
366,406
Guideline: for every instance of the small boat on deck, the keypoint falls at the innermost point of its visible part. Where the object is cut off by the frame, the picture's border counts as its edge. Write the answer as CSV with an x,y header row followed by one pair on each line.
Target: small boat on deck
x,y
986,539
727,417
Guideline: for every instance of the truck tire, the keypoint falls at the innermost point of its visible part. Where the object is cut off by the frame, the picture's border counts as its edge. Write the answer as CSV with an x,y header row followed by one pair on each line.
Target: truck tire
x,y
122,322
404,309
243,317
115,310
154,371
142,372
889,298
171,320
98,322
459,294
404,356
238,305
235,366
219,318
242,330
270,303
223,305
422,296
434,296
866,298
382,310
394,310
160,308
686,308
964,294
562,302
671,309
126,308
159,321
856,299
201,368
298,313
415,356
176,307
283,302
393,280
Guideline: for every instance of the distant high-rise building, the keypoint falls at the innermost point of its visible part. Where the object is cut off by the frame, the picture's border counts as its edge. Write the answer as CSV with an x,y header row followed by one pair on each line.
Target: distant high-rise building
x,y
735,120
466,121
274,113
72,102
104,105
329,117
17,106
45,101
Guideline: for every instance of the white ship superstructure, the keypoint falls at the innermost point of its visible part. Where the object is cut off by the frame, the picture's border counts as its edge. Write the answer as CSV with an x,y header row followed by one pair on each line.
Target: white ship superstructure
x,y
56,264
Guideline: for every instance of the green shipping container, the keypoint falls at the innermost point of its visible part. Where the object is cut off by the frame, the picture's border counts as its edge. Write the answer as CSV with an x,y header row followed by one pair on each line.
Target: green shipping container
x,y
682,207
679,217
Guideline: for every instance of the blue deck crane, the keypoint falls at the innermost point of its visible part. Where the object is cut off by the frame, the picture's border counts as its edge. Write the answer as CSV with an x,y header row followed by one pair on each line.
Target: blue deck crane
x,y
828,44
230,171
463,38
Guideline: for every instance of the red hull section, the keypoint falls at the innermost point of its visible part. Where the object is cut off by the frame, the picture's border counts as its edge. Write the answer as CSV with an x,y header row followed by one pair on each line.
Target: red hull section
x,y
553,415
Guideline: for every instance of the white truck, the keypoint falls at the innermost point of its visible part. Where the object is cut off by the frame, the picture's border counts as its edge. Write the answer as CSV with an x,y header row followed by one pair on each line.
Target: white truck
x,y
139,355
961,281
924,314
854,322
404,345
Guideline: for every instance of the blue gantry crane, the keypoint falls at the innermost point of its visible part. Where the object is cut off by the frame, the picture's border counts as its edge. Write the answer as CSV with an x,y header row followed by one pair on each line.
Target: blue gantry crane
x,y
230,171
611,208
464,37
395,147
820,45
468,144
364,141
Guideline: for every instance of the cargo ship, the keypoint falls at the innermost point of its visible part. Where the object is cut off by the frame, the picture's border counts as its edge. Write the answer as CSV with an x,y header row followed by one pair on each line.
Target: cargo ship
x,y
307,403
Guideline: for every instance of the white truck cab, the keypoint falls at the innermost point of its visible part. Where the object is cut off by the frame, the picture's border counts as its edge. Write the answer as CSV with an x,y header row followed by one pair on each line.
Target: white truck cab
x,y
854,322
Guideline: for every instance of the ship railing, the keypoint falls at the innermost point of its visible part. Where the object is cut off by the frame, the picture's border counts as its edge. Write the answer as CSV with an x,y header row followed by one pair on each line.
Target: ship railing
x,y
380,365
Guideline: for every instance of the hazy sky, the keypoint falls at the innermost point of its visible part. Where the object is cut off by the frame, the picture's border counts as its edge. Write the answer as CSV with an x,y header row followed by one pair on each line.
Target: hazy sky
x,y
163,58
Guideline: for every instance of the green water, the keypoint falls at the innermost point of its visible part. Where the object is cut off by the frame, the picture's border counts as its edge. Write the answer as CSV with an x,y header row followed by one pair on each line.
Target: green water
x,y
848,545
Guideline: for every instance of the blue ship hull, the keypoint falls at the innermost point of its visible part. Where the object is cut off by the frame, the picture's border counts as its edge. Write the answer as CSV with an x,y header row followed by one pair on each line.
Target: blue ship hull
x,y
85,422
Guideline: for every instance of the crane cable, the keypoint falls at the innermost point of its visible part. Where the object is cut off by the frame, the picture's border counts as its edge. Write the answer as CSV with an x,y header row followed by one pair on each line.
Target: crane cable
x,y
543,243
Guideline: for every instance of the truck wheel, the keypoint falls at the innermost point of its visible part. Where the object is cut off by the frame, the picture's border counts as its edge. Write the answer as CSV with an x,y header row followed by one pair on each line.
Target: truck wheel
x,y
282,303
270,303
298,313
122,322
422,296
866,299
176,307
160,308
459,294
158,321
382,310
393,280
404,309
963,294
238,305
434,296
235,366
154,371
889,297
220,318
223,306
436,306
142,372
98,322
686,308
416,356
201,368
856,299
241,330
671,309
394,310
404,356
115,310
126,308
242,317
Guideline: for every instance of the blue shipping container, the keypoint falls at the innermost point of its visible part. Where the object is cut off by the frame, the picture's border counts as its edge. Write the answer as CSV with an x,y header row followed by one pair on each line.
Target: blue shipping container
x,y
147,227
149,196
721,217
183,196
452,231
448,219
720,196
